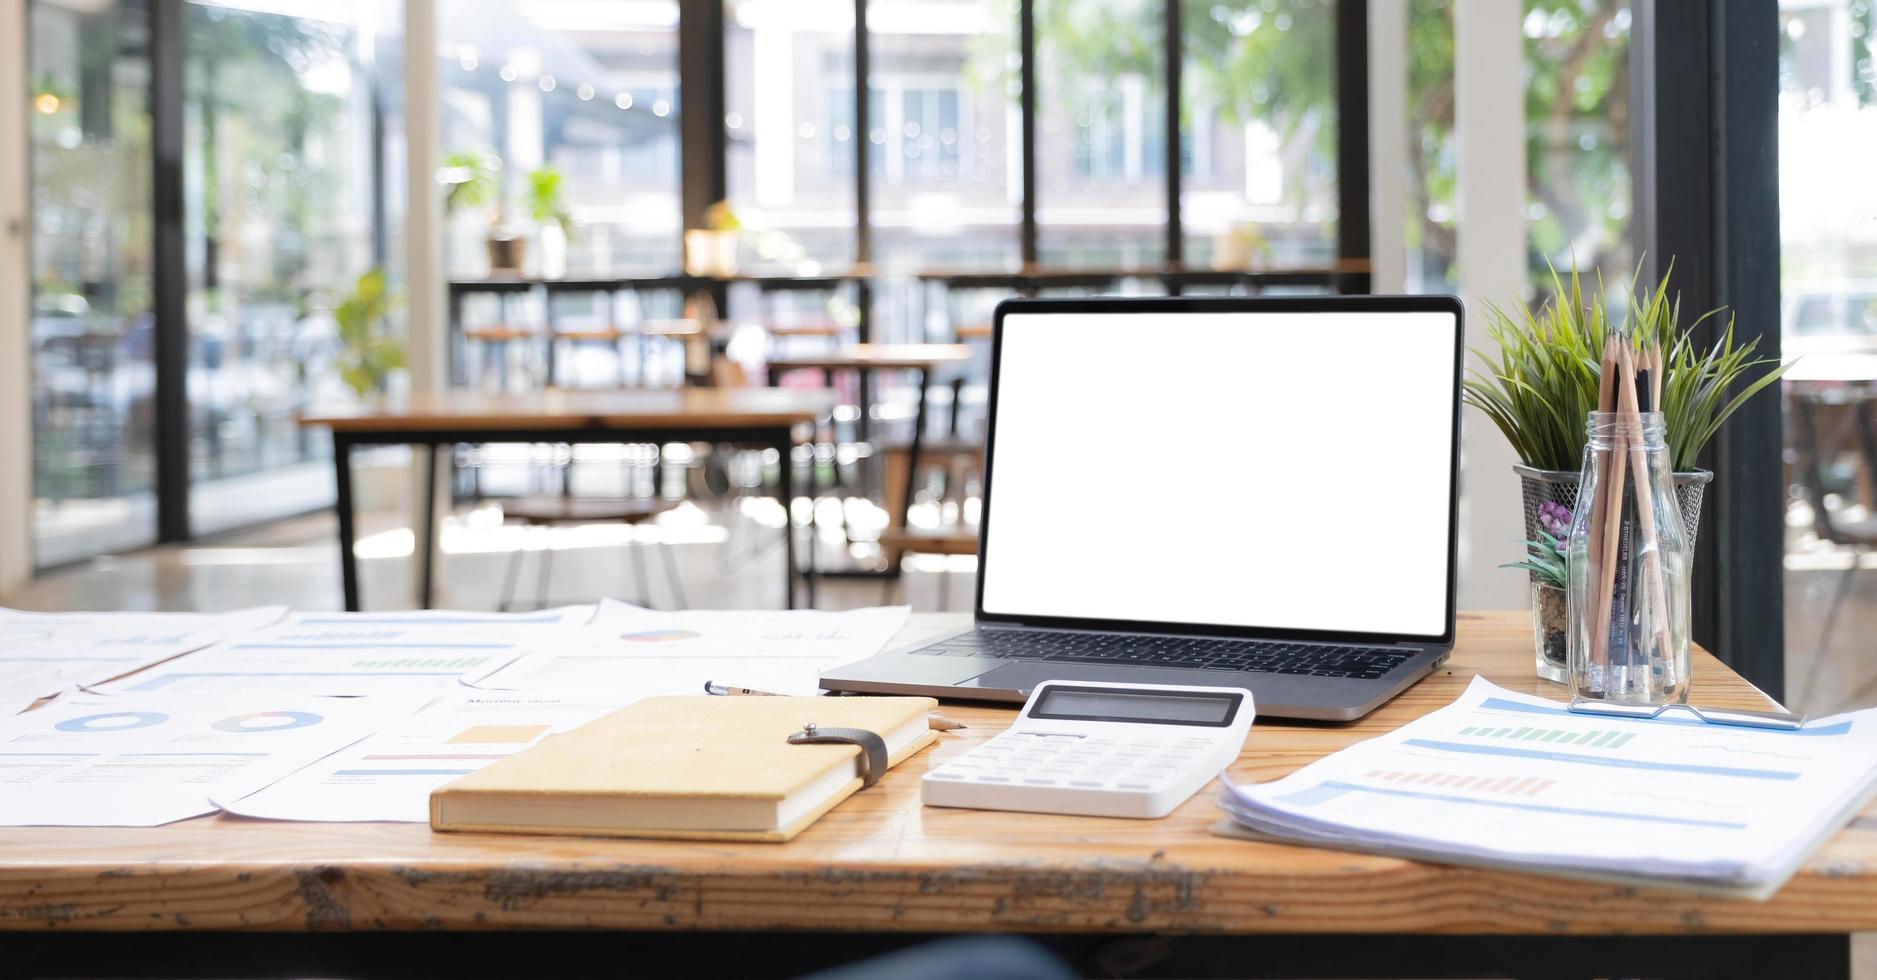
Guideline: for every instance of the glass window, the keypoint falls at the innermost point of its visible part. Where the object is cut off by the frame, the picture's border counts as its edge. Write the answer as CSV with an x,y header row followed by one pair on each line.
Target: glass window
x,y
1432,247
789,119
1578,179
1258,134
1578,188
92,328
280,218
582,94
1101,196
1828,287
947,180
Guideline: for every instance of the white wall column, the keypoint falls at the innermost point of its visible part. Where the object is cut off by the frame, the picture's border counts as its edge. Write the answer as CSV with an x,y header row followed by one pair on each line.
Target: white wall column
x,y
1388,145
426,306
1489,119
16,452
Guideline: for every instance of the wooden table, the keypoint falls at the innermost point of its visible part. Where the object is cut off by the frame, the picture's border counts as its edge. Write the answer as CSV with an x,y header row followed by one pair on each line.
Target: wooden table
x,y
751,416
881,863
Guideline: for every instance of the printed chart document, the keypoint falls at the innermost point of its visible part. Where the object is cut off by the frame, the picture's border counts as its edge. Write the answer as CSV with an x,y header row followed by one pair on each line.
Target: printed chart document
x,y
389,776
96,761
642,652
1508,780
359,653
42,653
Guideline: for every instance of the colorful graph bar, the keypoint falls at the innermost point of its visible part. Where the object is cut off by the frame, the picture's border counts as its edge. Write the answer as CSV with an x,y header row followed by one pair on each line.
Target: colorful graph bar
x,y
1504,785
1560,736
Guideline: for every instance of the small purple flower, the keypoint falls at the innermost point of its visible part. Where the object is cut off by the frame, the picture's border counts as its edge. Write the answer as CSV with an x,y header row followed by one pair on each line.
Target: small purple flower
x,y
1555,519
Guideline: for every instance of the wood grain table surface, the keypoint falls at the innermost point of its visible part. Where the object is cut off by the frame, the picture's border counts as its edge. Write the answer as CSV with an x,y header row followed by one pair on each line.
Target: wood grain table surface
x,y
881,861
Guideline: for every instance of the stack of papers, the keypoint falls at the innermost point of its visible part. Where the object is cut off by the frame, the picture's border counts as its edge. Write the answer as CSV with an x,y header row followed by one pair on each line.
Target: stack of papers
x,y
88,760
351,716
389,776
43,653
629,650
360,653
1506,780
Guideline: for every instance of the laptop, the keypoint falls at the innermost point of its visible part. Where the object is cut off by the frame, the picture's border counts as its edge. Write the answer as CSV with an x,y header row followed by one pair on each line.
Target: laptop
x,y
1226,492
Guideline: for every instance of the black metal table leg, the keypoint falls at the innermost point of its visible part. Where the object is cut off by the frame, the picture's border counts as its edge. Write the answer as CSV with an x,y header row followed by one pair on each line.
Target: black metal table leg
x,y
814,488
786,489
427,540
342,505
912,467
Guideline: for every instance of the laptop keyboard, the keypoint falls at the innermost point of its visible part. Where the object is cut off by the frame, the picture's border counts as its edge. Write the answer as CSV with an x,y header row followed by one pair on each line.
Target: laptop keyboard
x,y
1201,653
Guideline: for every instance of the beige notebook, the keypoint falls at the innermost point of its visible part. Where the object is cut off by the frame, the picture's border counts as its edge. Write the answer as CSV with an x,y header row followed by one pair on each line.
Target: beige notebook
x,y
702,768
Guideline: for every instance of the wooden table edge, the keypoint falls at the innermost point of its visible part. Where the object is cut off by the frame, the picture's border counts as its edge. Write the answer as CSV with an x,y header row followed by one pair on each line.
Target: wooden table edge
x,y
384,877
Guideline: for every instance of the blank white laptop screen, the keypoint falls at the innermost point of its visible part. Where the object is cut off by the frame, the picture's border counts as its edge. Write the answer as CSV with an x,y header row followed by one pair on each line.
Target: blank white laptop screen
x,y
1277,470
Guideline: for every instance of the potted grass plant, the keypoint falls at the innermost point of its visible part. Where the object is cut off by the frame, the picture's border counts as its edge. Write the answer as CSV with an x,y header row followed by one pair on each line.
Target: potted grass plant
x,y
1545,560
1541,385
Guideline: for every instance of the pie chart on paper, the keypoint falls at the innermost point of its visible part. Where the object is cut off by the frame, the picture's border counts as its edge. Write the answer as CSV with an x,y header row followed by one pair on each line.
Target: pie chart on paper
x,y
268,721
659,636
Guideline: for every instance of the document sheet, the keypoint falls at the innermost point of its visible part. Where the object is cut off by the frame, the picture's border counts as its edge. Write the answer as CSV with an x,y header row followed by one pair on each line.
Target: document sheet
x,y
41,653
631,650
89,760
1509,780
389,776
360,653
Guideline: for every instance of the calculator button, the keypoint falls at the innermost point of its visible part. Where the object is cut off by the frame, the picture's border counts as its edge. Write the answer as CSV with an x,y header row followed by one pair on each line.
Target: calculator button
x,y
1136,785
1041,781
992,778
944,774
1086,783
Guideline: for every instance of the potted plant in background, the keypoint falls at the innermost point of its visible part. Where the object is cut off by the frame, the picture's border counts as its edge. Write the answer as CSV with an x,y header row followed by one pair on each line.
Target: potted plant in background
x,y
474,180
1542,385
1240,247
367,351
711,251
546,200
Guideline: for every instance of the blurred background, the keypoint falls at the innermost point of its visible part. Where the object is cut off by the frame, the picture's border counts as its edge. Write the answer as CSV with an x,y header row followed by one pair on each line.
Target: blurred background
x,y
648,194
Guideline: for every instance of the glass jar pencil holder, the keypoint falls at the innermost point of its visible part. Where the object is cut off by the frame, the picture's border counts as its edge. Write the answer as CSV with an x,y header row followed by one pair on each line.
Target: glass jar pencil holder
x,y
1627,567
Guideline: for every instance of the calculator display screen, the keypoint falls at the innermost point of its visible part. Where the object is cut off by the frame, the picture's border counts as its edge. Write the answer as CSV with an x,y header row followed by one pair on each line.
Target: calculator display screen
x,y
1066,703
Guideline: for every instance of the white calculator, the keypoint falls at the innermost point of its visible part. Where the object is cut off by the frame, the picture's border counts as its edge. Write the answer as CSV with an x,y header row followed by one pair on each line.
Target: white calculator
x,y
1100,750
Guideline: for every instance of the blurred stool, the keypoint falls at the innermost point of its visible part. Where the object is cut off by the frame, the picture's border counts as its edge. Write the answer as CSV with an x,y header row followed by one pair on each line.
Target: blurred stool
x,y
559,511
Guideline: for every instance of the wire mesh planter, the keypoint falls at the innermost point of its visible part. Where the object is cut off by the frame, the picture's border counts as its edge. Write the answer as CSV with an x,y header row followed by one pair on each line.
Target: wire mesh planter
x,y
1560,487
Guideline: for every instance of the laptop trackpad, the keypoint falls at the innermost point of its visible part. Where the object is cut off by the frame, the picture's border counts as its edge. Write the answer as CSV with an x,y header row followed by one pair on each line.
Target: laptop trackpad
x,y
1025,676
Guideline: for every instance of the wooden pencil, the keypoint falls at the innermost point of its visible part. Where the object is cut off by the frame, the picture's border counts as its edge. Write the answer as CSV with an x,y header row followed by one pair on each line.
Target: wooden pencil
x,y
1593,578
1611,529
1650,544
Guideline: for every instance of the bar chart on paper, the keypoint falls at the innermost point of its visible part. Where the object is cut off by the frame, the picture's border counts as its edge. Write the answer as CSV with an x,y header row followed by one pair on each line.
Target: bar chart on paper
x,y
1596,738
356,654
1509,780
1505,785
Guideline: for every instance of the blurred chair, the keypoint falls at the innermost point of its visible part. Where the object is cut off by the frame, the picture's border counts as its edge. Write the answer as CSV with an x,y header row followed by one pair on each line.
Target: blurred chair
x,y
549,511
960,460
1859,535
